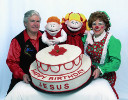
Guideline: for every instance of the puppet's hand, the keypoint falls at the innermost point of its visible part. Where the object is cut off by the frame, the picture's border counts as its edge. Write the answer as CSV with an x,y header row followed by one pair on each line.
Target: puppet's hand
x,y
56,40
89,37
49,42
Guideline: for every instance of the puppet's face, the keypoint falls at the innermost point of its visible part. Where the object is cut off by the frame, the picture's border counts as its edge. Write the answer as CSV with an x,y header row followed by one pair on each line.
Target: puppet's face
x,y
53,28
74,25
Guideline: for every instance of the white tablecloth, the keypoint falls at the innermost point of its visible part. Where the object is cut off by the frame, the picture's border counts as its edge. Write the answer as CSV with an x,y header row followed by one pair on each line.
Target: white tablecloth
x,y
98,89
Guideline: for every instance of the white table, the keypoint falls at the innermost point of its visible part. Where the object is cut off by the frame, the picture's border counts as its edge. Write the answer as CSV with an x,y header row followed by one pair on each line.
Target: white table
x,y
98,89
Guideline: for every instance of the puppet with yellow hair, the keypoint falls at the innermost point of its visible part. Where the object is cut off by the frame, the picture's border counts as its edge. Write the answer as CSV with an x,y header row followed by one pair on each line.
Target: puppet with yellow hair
x,y
76,26
54,34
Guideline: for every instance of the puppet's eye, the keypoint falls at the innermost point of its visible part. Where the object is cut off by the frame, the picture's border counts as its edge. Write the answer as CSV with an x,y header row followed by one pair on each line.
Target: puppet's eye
x,y
76,22
52,25
72,22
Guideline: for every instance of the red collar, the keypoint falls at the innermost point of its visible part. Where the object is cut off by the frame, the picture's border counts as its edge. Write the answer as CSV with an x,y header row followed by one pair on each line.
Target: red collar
x,y
26,36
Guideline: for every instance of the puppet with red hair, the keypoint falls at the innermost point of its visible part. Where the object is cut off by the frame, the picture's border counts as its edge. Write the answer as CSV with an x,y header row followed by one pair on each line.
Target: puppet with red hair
x,y
54,33
76,26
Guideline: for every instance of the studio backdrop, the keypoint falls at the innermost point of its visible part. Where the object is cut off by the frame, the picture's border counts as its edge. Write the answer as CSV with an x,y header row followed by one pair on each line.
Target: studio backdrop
x,y
11,24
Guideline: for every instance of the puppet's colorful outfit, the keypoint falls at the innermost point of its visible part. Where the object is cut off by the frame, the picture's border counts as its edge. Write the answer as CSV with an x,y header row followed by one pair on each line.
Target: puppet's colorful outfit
x,y
74,37
54,34
51,37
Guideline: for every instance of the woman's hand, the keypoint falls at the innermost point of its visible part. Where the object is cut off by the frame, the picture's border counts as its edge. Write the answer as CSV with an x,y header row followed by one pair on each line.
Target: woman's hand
x,y
96,73
26,78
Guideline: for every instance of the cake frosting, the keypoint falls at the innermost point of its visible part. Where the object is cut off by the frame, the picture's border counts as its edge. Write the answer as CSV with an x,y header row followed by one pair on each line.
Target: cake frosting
x,y
57,71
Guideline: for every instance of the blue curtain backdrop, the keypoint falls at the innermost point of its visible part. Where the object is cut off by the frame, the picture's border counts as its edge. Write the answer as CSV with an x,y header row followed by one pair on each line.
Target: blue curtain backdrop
x,y
11,23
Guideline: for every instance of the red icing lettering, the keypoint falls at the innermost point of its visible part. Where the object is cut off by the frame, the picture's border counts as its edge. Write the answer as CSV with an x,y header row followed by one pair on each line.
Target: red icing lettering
x,y
59,78
51,78
55,78
59,87
81,71
75,74
66,86
38,74
40,84
45,85
64,77
71,76
52,87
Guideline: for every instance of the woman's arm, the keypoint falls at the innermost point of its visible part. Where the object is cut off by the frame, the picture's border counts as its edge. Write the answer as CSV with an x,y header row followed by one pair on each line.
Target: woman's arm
x,y
113,57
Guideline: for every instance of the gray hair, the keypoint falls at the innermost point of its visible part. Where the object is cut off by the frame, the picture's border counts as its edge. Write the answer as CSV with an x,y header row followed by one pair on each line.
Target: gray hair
x,y
29,14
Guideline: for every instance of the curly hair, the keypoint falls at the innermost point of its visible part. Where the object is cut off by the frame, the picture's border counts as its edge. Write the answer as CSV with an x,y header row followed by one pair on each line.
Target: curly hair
x,y
53,19
102,16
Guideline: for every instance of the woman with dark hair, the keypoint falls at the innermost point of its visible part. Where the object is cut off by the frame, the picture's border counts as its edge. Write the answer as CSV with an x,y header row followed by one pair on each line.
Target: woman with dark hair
x,y
105,51
102,16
